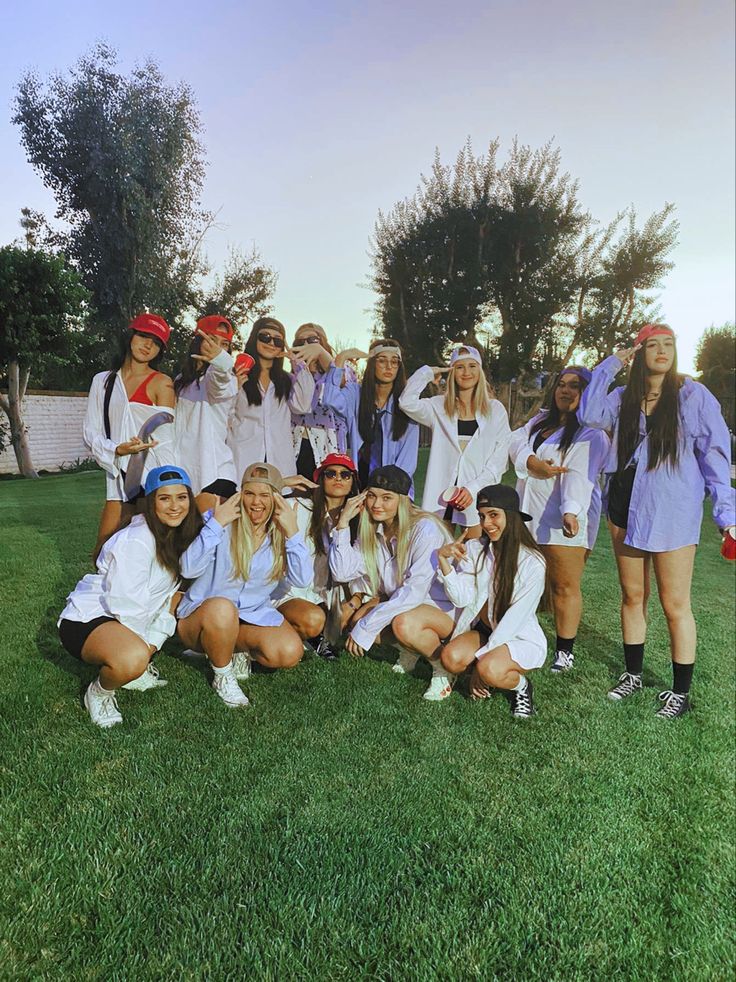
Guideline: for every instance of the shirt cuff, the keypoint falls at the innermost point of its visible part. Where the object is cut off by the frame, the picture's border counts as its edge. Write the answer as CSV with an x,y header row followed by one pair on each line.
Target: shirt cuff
x,y
571,507
362,637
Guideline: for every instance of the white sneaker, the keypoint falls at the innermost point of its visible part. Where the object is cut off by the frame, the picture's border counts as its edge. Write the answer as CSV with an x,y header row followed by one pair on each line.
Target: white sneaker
x,y
564,661
440,687
242,665
103,709
407,662
227,688
150,679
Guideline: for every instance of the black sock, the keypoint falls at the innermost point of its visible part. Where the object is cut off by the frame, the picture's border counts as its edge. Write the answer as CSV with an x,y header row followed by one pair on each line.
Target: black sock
x,y
315,641
682,677
634,658
565,644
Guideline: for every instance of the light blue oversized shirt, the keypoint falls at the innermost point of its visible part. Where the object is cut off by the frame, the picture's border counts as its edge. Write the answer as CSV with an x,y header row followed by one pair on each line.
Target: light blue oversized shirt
x,y
667,503
208,562
345,400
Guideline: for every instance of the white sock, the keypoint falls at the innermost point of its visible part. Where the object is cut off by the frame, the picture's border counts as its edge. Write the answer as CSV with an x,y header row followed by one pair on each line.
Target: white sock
x,y
225,670
521,684
100,690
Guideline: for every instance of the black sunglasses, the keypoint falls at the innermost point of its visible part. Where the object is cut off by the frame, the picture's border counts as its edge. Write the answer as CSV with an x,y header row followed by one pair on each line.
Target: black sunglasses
x,y
303,341
274,339
338,475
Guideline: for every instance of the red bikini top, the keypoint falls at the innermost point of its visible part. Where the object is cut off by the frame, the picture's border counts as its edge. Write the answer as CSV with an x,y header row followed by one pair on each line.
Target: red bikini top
x,y
140,394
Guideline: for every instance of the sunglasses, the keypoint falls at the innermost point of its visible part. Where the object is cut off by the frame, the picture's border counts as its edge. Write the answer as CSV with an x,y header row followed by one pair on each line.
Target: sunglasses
x,y
338,475
274,339
302,341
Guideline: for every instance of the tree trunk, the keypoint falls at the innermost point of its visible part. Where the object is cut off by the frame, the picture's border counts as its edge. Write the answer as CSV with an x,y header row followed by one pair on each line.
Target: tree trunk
x,y
13,406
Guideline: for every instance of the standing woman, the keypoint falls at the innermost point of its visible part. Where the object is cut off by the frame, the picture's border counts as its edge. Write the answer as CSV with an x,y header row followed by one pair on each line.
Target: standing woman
x,y
396,551
321,431
498,584
470,436
559,463
248,544
306,608
669,447
260,425
120,403
206,389
118,617
380,433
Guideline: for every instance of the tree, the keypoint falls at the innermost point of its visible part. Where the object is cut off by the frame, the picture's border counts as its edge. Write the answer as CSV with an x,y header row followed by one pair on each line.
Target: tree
x,y
122,158
41,298
716,361
506,257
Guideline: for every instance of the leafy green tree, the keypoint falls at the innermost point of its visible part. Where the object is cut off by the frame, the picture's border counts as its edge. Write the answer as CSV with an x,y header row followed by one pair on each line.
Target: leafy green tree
x,y
716,361
41,301
123,160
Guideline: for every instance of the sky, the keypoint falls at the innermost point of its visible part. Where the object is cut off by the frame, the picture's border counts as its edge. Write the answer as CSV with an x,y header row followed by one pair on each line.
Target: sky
x,y
316,115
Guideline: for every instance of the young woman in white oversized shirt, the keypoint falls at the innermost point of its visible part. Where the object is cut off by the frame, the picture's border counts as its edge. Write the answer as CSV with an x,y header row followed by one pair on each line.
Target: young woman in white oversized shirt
x,y
206,389
498,584
260,424
396,553
121,403
117,617
559,463
470,436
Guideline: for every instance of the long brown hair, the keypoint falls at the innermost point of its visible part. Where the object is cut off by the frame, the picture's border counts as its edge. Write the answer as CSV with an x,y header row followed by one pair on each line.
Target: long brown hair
x,y
191,370
665,420
506,563
280,378
319,513
550,422
367,405
172,542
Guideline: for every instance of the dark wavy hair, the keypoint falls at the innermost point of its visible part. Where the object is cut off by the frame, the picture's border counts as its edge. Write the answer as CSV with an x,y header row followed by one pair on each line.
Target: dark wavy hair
x,y
367,405
664,434
506,556
172,542
551,421
280,378
123,350
319,513
191,370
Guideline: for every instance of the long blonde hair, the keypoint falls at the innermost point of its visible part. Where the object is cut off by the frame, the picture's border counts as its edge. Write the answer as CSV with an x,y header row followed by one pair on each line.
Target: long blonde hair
x,y
480,400
408,517
242,540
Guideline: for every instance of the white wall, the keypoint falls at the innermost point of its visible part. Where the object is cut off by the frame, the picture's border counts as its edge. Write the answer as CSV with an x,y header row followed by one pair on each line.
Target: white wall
x,y
54,424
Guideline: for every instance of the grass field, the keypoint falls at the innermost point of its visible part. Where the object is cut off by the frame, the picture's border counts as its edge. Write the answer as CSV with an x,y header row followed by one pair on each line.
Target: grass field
x,y
344,828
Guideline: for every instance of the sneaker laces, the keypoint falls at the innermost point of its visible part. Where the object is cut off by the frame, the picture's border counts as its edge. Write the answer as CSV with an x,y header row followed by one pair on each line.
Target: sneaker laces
x,y
228,685
672,702
108,707
523,701
565,659
628,683
152,670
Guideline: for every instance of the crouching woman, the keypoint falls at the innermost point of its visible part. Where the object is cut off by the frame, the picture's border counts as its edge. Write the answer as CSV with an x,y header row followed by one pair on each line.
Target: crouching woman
x,y
119,616
396,554
247,545
499,580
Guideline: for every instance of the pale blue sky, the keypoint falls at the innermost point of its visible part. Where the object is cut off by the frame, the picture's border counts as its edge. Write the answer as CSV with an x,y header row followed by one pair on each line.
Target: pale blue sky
x,y
318,114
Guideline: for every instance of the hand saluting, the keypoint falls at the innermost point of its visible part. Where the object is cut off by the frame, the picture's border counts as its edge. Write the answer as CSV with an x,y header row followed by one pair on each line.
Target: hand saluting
x,y
284,515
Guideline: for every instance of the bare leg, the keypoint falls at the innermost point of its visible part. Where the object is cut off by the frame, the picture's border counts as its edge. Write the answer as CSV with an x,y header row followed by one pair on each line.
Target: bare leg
x,y
274,647
565,565
423,629
120,654
212,628
633,574
306,618
497,668
674,573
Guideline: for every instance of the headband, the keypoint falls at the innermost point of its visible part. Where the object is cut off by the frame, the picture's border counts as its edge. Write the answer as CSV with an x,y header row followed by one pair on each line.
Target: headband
x,y
584,374
385,349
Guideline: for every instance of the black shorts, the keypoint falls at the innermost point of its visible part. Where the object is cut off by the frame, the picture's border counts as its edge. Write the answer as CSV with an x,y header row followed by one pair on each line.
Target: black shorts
x,y
483,629
221,487
73,634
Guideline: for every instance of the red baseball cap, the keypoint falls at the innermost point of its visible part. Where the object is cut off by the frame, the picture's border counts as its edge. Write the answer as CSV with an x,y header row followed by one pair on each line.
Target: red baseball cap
x,y
151,324
651,330
339,459
217,325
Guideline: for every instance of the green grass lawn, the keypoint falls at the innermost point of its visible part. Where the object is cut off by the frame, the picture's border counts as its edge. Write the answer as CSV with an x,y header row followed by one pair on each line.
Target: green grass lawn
x,y
344,828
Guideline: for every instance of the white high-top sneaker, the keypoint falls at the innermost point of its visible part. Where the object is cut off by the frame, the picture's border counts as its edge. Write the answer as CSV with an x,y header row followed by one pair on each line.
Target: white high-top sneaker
x,y
150,679
242,662
102,707
226,686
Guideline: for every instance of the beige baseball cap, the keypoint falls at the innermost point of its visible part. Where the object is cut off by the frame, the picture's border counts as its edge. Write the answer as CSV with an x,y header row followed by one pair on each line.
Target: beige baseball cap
x,y
263,474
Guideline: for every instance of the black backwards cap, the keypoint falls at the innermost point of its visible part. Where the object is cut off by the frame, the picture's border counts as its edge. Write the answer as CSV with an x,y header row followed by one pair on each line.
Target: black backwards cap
x,y
500,496
390,478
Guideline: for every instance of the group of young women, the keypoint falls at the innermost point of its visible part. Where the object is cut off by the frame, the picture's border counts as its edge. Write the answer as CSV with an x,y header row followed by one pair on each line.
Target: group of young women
x,y
253,510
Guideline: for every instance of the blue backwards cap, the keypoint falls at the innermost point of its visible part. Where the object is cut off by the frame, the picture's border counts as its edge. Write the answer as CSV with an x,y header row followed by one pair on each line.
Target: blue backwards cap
x,y
160,477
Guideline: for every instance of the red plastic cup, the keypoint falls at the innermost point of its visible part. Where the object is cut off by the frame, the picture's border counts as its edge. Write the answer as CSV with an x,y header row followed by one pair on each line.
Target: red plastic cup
x,y
450,496
728,546
244,361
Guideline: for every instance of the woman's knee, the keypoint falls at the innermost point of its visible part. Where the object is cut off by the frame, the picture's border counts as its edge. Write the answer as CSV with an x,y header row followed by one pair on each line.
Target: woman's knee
x,y
131,664
405,626
634,596
286,651
676,608
219,614
312,621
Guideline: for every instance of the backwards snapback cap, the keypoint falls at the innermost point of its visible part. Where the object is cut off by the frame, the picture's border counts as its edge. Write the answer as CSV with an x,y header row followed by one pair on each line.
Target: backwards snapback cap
x,y
217,325
465,352
500,496
263,474
161,477
390,478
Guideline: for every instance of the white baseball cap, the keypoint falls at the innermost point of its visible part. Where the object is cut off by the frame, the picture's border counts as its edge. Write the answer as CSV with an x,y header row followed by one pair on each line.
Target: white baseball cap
x,y
465,352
